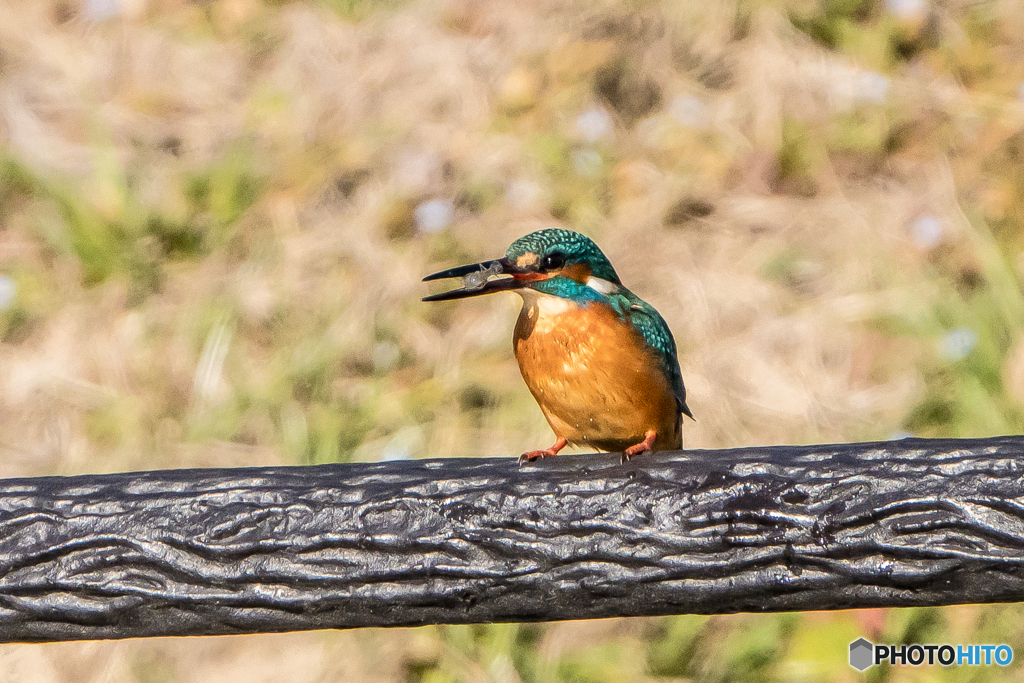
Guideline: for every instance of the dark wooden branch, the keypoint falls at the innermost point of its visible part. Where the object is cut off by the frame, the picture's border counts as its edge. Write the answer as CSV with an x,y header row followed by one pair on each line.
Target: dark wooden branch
x,y
193,552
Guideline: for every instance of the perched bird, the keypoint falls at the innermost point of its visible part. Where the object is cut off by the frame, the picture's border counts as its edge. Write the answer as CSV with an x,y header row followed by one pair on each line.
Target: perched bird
x,y
600,361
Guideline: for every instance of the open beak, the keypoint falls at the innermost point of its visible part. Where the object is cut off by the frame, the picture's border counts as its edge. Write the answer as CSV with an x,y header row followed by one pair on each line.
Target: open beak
x,y
477,279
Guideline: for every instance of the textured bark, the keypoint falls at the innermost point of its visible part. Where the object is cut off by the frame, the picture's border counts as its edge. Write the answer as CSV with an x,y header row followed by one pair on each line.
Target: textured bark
x,y
193,552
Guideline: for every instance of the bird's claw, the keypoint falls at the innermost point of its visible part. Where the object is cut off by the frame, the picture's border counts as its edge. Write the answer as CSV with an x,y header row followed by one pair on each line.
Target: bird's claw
x,y
531,456
640,448
629,454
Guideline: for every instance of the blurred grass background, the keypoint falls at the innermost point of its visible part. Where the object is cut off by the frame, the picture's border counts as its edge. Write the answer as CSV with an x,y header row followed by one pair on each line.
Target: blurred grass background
x,y
214,217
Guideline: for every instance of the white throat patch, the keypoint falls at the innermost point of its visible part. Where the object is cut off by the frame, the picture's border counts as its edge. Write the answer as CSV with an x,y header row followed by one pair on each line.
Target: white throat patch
x,y
543,309
545,305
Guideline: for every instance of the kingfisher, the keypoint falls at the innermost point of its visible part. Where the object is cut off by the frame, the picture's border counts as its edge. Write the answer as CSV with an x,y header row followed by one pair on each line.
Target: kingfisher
x,y
600,361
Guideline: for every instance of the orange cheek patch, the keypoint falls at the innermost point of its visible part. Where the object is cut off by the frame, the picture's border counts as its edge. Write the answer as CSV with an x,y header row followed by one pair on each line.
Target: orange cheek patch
x,y
579,272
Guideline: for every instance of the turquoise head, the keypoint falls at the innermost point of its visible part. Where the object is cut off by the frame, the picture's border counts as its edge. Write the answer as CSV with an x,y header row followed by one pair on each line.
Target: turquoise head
x,y
561,251
555,261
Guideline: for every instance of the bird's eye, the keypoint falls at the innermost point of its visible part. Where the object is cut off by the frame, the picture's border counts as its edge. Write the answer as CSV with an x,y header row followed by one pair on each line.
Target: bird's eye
x,y
553,261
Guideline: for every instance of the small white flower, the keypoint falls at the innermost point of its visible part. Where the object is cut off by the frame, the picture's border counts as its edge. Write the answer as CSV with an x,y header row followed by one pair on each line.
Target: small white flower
x,y
926,231
688,111
871,86
594,124
385,355
434,215
957,344
8,292
906,9
524,194
101,10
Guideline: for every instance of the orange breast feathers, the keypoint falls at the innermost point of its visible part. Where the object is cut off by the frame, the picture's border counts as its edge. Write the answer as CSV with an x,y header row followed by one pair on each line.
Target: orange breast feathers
x,y
596,380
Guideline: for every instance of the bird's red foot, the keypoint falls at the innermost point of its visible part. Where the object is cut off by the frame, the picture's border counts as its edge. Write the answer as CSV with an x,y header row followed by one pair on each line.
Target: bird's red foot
x,y
643,447
530,456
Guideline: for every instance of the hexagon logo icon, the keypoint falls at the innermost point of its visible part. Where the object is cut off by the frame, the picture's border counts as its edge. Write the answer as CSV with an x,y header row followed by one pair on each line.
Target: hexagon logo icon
x,y
861,654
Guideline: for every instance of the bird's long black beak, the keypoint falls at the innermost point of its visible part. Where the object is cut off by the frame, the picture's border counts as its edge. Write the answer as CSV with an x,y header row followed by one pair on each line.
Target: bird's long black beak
x,y
477,279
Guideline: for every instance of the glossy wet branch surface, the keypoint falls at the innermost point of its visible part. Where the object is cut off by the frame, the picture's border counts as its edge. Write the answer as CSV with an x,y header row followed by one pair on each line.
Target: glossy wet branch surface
x,y
256,550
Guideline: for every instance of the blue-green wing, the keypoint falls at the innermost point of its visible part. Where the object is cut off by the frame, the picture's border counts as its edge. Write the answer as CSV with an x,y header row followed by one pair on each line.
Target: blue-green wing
x,y
655,331
637,312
